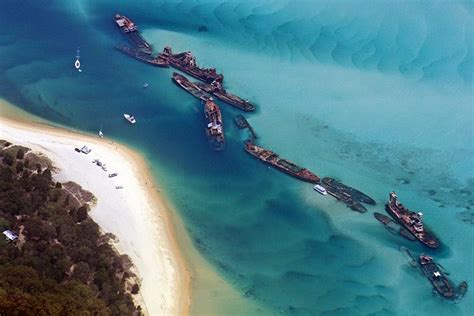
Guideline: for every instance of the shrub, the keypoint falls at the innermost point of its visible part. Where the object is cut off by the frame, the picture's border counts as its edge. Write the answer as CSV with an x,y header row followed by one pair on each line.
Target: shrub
x,y
135,289
8,159
82,213
20,154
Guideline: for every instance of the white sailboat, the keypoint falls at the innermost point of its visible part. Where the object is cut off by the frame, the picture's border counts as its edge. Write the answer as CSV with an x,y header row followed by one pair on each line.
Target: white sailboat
x,y
101,135
77,64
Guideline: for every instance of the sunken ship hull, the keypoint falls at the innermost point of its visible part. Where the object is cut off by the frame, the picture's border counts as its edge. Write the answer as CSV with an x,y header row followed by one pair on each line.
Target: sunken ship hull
x,y
234,100
345,198
283,165
189,87
393,227
186,62
130,31
440,282
214,125
219,92
192,71
356,195
141,56
411,221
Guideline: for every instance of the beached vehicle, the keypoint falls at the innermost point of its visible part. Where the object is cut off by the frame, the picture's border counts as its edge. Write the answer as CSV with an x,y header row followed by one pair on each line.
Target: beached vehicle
x,y
100,133
85,150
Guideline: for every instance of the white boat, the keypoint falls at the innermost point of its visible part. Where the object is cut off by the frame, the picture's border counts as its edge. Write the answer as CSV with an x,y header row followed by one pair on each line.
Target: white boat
x,y
130,118
145,85
320,189
101,135
77,64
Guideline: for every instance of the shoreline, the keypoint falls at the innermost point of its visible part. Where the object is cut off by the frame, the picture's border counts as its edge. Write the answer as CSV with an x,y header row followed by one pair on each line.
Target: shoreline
x,y
149,208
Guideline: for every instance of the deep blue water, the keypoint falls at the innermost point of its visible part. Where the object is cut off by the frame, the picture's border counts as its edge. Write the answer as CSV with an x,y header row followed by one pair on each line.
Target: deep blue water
x,y
378,94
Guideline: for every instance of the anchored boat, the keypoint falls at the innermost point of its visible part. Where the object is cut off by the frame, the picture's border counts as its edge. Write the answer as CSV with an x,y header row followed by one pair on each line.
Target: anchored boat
x,y
130,118
77,63
319,188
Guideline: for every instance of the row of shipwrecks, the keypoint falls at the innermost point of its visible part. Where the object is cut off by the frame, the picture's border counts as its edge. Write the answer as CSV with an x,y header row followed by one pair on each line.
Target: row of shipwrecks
x,y
402,221
211,84
210,87
205,91
212,113
409,225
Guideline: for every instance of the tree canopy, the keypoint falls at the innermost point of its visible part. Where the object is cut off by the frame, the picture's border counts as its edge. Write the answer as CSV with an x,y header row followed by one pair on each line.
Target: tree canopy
x,y
61,264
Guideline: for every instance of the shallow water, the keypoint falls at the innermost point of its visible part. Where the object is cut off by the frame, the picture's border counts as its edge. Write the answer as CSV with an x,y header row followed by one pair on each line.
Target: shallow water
x,y
377,94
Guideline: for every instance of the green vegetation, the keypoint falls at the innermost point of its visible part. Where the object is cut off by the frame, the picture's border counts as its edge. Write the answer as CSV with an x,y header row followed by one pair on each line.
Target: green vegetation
x,y
61,264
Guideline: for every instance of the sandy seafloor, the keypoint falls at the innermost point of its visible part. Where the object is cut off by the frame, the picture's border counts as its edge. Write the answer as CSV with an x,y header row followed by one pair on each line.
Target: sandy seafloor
x,y
377,94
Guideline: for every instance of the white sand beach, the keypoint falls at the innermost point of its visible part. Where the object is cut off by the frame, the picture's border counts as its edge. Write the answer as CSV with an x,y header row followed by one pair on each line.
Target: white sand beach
x,y
136,214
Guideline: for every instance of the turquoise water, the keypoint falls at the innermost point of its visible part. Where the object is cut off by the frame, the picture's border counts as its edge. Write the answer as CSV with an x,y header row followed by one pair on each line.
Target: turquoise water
x,y
378,94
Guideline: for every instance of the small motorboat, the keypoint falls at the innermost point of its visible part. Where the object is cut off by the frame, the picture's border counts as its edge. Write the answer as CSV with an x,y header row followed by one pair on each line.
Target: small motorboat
x,y
320,189
145,85
130,118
